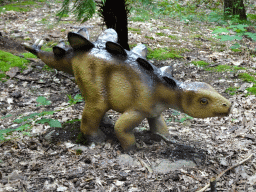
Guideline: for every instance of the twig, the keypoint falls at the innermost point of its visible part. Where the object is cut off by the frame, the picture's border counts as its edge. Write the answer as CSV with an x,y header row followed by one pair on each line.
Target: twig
x,y
166,139
190,175
145,165
222,173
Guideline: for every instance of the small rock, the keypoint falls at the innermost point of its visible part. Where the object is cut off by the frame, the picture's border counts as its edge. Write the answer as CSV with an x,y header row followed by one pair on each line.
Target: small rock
x,y
127,160
15,175
16,94
166,166
62,188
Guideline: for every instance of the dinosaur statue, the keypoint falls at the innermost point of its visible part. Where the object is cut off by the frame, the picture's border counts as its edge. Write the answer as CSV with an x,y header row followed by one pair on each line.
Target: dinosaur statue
x,y
111,77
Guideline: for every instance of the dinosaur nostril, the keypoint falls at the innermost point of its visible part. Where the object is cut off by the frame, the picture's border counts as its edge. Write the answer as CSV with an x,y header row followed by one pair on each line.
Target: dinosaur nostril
x,y
224,104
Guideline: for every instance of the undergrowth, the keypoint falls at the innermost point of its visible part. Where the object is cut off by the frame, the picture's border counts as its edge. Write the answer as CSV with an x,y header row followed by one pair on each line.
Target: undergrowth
x,y
8,60
26,122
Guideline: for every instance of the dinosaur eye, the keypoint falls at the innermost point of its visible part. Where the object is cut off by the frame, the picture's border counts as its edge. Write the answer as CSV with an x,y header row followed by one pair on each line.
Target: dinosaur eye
x,y
204,101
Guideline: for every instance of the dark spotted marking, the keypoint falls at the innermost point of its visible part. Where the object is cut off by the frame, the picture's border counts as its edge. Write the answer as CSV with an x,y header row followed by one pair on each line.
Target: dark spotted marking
x,y
145,64
170,81
79,42
115,48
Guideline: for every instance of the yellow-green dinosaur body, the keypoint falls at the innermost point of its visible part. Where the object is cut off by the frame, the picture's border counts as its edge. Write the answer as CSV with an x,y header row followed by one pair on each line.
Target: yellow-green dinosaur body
x,y
110,77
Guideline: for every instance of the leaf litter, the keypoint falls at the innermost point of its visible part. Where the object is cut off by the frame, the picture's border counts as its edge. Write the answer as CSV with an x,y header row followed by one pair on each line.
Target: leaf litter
x,y
47,159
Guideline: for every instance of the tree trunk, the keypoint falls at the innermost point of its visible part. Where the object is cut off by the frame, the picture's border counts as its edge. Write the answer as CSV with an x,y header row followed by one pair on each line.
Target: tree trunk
x,y
115,13
234,7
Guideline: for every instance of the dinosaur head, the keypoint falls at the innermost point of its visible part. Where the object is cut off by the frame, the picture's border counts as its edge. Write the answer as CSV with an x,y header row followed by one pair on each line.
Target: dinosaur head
x,y
201,100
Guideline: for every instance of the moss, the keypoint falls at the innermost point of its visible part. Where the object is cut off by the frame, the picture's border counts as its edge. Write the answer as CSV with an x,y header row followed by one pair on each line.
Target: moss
x,y
231,90
236,50
200,63
163,53
173,37
47,68
238,68
48,49
81,139
28,55
152,38
164,27
246,77
219,68
132,45
135,30
252,90
8,60
22,6
161,34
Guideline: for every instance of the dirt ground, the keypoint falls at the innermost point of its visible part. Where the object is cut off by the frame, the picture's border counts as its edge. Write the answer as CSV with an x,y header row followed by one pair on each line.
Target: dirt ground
x,y
49,159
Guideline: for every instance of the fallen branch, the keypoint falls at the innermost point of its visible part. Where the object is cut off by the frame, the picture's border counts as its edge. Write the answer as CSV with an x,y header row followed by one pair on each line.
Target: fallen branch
x,y
222,173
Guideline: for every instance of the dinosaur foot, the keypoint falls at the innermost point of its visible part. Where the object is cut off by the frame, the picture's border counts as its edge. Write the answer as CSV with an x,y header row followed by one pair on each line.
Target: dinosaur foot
x,y
98,137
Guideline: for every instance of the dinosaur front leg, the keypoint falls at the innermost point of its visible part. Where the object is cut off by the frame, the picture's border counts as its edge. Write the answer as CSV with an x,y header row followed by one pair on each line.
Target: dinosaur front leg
x,y
124,126
158,125
91,119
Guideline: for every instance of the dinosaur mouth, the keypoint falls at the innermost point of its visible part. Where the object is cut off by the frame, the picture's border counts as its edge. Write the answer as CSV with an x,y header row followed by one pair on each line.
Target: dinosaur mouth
x,y
226,113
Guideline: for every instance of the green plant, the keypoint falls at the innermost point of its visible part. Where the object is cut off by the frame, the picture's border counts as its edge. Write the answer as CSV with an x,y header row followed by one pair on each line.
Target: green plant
x,y
38,118
42,101
79,152
73,121
81,139
77,99
8,131
176,117
240,29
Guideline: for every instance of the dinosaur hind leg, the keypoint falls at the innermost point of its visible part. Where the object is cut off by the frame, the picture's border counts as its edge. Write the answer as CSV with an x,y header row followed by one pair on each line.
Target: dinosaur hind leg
x,y
124,126
158,125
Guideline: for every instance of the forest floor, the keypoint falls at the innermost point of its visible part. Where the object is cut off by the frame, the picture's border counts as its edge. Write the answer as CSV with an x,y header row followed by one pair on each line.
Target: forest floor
x,y
44,158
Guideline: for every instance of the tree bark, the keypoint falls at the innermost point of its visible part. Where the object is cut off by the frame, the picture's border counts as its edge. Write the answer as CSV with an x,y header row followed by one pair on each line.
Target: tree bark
x,y
115,13
234,7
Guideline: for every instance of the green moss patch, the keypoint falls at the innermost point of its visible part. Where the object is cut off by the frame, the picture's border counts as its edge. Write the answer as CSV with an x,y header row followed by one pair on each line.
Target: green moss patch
x,y
22,6
28,55
152,38
135,30
164,53
200,63
246,77
252,90
219,68
8,60
161,34
231,90
173,37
